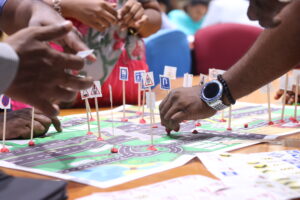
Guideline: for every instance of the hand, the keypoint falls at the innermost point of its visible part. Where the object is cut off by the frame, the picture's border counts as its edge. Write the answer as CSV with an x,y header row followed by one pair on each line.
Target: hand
x,y
132,15
97,14
290,96
265,12
183,104
41,79
18,124
43,15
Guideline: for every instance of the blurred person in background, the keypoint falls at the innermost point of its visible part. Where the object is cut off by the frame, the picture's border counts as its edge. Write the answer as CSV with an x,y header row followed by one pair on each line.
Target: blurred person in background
x,y
190,19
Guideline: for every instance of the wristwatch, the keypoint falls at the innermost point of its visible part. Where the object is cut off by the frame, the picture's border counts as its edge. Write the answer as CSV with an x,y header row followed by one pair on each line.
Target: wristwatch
x,y
212,93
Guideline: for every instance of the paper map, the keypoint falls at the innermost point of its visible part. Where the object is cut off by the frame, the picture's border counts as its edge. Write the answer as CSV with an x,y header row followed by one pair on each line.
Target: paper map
x,y
73,155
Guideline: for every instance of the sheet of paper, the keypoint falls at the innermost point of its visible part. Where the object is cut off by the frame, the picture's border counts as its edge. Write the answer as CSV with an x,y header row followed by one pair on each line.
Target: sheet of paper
x,y
190,188
281,168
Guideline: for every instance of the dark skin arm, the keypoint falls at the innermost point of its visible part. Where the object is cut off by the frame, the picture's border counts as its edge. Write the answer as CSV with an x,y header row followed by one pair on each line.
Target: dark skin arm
x,y
274,53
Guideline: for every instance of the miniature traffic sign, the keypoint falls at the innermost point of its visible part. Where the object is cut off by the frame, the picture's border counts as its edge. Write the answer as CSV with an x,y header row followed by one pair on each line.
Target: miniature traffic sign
x,y
123,73
138,78
188,80
148,79
165,83
170,72
213,73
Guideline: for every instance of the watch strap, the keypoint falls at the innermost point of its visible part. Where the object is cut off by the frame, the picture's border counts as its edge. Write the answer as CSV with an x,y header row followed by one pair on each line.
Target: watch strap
x,y
226,91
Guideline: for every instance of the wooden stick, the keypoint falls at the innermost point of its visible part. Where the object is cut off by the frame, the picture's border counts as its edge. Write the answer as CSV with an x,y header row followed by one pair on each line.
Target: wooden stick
x,y
98,117
229,118
4,128
111,109
151,115
124,98
269,103
284,96
32,124
139,97
87,115
89,110
296,98
143,106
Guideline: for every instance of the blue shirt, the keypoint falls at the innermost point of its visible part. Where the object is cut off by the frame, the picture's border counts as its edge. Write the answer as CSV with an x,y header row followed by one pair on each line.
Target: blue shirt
x,y
184,22
2,3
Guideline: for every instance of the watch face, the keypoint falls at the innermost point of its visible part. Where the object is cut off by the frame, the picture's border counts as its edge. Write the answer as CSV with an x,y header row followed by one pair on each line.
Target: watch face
x,y
212,91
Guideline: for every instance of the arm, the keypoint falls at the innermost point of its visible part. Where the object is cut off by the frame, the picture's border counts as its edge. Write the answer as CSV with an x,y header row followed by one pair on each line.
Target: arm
x,y
274,53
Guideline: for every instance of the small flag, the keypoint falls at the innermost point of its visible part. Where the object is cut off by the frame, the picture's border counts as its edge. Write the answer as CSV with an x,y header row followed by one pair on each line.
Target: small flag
x,y
124,73
203,79
148,79
165,83
138,76
95,90
188,80
170,72
5,102
85,94
150,100
213,73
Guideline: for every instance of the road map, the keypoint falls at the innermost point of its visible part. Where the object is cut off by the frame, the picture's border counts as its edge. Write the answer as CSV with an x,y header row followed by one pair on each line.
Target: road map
x,y
74,155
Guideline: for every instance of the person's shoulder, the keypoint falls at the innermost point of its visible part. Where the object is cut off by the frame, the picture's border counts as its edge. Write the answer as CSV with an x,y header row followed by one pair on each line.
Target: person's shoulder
x,y
177,13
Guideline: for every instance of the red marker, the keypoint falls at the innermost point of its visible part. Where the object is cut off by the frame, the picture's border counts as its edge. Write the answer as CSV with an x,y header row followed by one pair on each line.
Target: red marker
x,y
31,143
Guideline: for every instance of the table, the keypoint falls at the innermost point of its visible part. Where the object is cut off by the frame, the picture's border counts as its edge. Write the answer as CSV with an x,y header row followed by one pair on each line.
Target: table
x,y
76,190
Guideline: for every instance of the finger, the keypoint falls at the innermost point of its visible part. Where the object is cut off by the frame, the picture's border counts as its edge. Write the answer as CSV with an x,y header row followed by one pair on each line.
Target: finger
x,y
101,20
278,94
73,42
48,33
167,105
125,9
108,16
77,83
138,15
57,125
130,15
66,61
45,106
174,109
140,22
64,94
38,129
110,8
178,117
44,120
162,108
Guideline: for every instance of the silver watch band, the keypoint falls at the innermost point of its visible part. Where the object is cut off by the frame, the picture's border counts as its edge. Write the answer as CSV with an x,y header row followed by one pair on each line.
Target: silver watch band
x,y
218,105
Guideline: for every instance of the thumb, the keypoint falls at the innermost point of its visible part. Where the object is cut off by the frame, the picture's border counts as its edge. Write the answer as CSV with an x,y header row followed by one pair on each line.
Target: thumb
x,y
53,32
